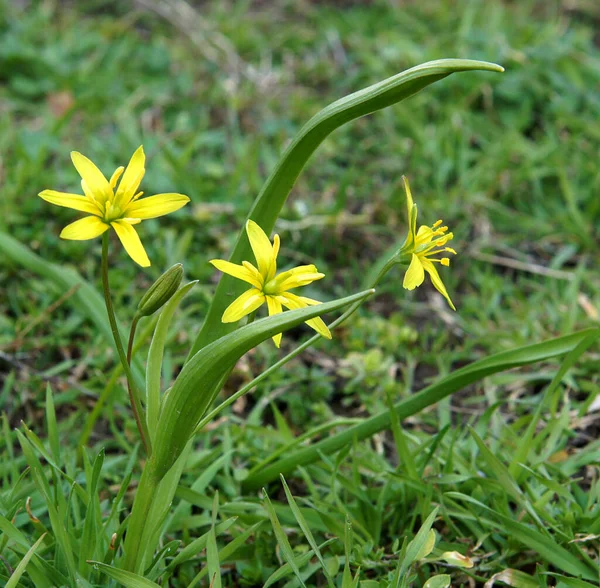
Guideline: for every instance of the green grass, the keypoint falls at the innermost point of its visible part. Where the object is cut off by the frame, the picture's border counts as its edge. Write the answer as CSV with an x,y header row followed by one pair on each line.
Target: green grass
x,y
509,162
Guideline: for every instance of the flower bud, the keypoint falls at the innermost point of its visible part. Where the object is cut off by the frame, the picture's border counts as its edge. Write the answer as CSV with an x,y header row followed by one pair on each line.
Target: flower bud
x,y
161,291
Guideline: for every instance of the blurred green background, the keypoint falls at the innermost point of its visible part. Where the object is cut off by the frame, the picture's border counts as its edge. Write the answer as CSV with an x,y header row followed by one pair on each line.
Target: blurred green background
x,y
214,91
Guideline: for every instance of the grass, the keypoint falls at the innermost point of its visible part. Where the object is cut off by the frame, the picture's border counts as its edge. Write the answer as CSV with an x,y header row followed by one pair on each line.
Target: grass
x,y
509,162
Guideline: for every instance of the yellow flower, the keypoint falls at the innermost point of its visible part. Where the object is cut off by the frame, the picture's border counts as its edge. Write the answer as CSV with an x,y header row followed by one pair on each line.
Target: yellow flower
x,y
421,245
266,286
111,206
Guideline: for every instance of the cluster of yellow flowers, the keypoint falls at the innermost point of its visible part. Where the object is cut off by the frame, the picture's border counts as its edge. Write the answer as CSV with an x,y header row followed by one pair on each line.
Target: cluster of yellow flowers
x,y
121,206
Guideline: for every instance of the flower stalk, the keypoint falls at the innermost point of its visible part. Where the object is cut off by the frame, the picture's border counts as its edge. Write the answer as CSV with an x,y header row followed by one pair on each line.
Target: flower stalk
x,y
134,396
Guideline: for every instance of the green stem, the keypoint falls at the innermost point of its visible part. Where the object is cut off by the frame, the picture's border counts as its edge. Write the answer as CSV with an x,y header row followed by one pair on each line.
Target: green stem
x,y
144,497
134,324
134,395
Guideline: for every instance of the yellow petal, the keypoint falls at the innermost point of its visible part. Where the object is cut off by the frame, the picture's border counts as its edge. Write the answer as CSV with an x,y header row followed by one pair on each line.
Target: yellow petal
x,y
414,275
83,229
299,279
132,177
96,183
238,271
411,208
437,281
261,247
115,177
294,302
155,206
273,268
274,308
74,201
243,305
131,241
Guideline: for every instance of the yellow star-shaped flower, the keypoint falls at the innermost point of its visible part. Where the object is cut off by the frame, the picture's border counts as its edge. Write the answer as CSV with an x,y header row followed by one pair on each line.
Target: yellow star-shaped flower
x,y
421,245
266,285
111,206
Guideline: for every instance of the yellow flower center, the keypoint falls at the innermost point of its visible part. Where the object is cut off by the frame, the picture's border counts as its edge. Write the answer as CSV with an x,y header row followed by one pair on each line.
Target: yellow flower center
x,y
111,212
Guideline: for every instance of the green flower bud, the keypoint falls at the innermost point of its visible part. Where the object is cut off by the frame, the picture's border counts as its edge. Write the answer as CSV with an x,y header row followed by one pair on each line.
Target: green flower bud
x,y
161,291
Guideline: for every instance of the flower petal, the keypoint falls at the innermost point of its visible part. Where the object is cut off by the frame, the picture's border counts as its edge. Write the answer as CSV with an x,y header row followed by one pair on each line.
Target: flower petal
x,y
96,182
74,201
298,279
437,281
155,206
84,228
238,271
274,308
261,247
294,302
115,177
248,302
412,211
131,241
132,177
414,275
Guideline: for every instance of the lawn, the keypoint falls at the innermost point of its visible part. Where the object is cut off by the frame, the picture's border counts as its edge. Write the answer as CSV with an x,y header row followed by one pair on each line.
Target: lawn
x,y
505,470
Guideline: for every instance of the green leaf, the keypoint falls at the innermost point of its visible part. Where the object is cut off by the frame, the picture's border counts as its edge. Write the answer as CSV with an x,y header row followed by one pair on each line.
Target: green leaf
x,y
269,202
127,579
13,582
91,524
51,424
419,544
282,539
440,581
552,552
455,381
571,582
194,388
155,358
226,552
306,530
56,519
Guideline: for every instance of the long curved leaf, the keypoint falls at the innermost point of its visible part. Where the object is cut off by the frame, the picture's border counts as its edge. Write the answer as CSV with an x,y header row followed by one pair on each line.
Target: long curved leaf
x,y
417,402
193,389
269,202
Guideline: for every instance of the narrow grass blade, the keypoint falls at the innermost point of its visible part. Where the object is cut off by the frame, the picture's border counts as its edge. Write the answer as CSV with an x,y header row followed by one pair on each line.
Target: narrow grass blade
x,y
56,520
197,545
306,530
91,526
127,579
282,539
522,451
573,582
268,204
13,581
51,424
552,552
417,402
417,546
